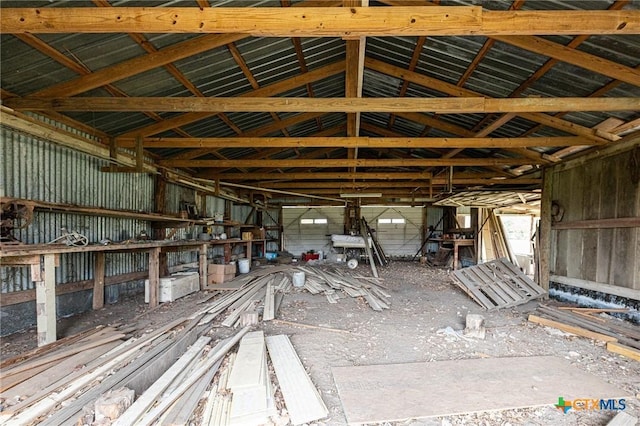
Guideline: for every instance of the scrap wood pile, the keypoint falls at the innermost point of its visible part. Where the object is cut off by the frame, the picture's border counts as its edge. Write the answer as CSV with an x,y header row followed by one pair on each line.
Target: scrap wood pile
x,y
174,375
595,323
264,291
162,376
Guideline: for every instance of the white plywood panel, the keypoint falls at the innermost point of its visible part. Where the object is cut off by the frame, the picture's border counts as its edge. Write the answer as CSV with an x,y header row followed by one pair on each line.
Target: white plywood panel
x,y
301,237
300,395
396,239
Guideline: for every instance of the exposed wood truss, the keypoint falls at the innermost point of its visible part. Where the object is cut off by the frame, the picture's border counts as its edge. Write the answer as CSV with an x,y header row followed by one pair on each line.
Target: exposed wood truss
x,y
400,96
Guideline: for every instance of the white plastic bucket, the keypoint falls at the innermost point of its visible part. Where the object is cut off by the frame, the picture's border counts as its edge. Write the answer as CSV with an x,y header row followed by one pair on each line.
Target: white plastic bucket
x,y
298,279
244,265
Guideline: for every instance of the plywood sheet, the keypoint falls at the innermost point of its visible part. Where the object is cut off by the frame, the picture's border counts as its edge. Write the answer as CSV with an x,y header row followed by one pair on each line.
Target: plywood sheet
x,y
397,392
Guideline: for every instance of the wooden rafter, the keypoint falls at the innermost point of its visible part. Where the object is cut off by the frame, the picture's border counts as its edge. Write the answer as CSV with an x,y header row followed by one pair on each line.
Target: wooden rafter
x,y
237,56
319,21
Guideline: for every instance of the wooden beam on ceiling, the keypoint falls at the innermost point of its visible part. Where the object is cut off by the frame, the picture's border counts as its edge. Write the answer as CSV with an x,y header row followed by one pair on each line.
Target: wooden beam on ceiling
x,y
355,142
360,162
269,90
575,57
287,176
400,183
319,22
453,90
138,64
246,103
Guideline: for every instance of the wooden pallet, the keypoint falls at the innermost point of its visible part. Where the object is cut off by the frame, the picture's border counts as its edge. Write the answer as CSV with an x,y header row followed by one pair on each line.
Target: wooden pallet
x,y
497,284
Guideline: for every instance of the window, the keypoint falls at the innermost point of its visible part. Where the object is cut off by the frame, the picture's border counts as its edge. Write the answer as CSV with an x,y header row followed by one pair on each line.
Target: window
x,y
394,220
320,221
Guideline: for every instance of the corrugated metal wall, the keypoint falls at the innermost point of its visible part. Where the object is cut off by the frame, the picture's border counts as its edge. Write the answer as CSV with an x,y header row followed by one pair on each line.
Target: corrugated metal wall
x,y
300,238
39,170
396,239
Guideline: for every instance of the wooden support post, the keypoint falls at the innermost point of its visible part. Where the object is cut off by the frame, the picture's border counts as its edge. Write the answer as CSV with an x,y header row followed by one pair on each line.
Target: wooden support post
x,y
545,229
154,276
202,266
46,302
98,280
475,216
139,155
227,252
113,154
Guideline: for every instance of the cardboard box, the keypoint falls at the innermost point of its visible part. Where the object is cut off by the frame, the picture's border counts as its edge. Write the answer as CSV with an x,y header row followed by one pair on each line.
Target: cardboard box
x,y
215,268
247,236
259,233
219,278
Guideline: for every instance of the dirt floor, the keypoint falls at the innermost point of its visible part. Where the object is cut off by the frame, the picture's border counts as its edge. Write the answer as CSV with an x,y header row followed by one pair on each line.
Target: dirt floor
x,y
424,303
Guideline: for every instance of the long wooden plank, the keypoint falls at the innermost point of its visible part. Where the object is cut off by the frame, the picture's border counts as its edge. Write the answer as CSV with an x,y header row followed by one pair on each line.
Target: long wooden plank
x,y
301,396
318,21
142,404
359,142
458,105
623,350
571,329
168,400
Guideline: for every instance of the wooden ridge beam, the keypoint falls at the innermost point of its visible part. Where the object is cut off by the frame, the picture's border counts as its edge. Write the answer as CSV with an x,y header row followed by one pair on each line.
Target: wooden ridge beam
x,y
475,104
342,162
355,142
318,21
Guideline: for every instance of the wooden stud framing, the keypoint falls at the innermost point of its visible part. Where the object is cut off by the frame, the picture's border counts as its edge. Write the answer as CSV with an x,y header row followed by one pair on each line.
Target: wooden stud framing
x,y
98,280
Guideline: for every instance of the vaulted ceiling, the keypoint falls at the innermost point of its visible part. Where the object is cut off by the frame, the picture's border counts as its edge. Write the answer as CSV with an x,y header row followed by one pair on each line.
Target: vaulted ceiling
x,y
409,99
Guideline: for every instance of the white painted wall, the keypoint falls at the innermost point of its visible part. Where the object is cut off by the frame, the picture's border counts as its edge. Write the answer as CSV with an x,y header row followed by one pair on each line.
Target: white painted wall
x,y
300,238
396,239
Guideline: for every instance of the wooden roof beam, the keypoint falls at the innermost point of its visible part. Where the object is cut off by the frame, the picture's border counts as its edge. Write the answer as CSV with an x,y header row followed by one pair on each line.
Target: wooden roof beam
x,y
318,22
355,142
575,57
249,103
453,90
270,90
400,184
413,162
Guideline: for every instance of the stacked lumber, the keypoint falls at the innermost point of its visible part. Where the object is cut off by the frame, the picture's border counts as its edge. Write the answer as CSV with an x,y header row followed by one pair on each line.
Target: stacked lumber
x,y
162,375
244,393
594,323
91,370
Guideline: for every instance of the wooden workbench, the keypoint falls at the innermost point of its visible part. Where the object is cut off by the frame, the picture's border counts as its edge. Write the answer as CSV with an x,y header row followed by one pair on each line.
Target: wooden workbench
x,y
456,242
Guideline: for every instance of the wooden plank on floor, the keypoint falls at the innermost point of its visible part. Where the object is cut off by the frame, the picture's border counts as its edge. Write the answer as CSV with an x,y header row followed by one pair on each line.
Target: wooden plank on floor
x,y
374,394
146,400
623,419
623,350
300,394
579,331
247,369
